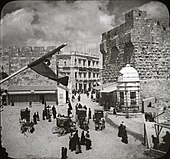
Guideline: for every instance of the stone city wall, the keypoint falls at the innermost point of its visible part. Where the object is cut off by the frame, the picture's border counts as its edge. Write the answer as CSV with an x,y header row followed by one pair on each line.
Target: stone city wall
x,y
143,43
18,57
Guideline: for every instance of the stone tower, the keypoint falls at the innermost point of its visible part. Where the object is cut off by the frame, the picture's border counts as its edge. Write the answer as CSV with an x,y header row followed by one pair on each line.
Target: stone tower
x,y
143,43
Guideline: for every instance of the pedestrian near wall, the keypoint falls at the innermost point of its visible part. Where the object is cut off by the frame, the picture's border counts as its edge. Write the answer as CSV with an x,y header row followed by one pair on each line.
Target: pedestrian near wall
x,y
38,117
30,103
35,118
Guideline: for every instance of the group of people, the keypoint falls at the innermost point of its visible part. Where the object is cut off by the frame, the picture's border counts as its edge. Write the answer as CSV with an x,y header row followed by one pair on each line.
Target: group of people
x,y
46,114
122,132
75,141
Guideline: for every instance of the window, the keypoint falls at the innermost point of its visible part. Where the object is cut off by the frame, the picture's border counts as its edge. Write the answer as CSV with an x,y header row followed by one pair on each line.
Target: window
x,y
89,63
84,75
75,61
65,64
60,96
79,61
93,63
121,98
84,62
75,74
132,95
93,75
89,74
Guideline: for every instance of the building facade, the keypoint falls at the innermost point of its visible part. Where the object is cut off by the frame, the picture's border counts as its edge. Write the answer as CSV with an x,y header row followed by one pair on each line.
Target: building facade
x,y
82,69
128,90
143,43
29,85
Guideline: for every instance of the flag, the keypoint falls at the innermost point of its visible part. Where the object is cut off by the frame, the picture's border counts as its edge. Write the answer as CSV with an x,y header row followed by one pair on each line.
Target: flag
x,y
3,75
43,69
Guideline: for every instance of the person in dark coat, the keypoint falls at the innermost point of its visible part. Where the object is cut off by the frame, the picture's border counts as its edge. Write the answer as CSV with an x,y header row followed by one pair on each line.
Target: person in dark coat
x,y
71,142
88,143
79,98
82,141
64,153
89,113
91,96
54,111
43,115
35,118
70,106
121,129
38,117
45,111
87,94
69,112
78,146
124,136
30,103
75,140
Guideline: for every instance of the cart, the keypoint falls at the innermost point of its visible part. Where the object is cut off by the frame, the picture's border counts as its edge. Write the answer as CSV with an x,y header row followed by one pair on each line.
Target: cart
x,y
24,120
81,118
63,126
99,119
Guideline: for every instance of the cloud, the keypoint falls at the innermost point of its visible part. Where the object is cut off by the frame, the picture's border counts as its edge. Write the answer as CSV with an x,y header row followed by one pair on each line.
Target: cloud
x,y
80,24
155,9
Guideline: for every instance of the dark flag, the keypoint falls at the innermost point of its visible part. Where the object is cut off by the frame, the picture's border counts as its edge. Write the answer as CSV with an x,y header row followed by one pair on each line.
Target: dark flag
x,y
42,68
3,75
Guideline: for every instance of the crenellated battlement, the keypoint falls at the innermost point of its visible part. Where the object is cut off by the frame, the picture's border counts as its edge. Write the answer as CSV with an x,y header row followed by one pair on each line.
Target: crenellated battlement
x,y
141,42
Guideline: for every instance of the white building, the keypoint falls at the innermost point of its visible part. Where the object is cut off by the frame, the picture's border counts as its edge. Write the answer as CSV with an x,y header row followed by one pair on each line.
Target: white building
x,y
128,87
82,69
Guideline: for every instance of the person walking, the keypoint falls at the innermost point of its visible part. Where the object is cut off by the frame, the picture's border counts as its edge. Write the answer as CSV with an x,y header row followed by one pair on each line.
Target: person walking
x,y
82,141
78,146
70,106
64,153
75,140
38,117
54,111
79,97
30,103
71,141
124,136
43,115
35,118
89,115
88,142
120,130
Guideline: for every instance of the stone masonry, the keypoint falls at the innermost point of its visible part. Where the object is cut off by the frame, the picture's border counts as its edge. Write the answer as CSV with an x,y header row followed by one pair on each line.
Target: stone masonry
x,y
15,58
143,43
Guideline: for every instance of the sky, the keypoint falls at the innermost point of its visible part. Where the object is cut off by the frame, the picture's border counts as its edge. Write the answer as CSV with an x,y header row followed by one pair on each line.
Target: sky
x,y
80,24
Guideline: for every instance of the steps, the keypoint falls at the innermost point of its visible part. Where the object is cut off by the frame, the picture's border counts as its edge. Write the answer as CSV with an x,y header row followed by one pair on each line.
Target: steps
x,y
154,153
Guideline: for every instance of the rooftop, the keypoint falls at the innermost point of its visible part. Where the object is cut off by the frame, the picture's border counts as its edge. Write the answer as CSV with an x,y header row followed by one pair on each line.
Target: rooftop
x,y
128,74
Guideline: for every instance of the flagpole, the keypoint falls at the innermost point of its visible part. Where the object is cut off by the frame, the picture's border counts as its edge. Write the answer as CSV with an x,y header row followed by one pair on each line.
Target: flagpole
x,y
14,74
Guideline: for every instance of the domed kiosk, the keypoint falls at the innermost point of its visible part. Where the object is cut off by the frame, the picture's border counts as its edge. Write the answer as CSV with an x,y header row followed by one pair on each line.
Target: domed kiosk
x,y
128,86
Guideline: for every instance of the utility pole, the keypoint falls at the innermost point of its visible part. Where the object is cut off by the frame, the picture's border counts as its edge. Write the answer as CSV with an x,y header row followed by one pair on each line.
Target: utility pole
x,y
127,113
